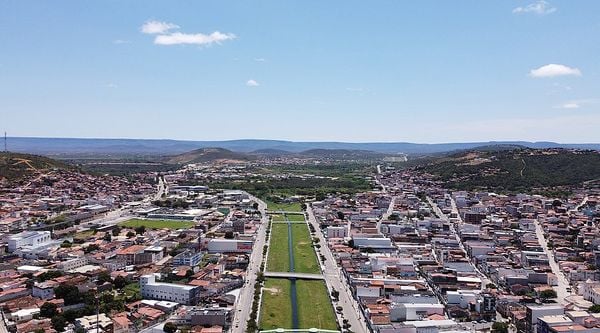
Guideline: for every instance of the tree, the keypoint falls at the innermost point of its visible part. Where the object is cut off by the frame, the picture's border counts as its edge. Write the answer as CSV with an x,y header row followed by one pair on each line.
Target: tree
x,y
229,235
255,206
548,293
120,282
340,215
170,327
335,294
69,293
130,234
59,323
594,308
49,275
189,273
48,310
499,327
103,277
140,230
116,231
91,248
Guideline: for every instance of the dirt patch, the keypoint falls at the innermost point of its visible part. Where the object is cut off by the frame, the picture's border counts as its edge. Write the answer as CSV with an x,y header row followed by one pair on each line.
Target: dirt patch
x,y
273,291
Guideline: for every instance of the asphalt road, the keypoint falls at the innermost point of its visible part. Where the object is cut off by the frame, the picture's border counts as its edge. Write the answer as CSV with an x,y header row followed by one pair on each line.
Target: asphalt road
x,y
484,279
563,283
243,305
335,280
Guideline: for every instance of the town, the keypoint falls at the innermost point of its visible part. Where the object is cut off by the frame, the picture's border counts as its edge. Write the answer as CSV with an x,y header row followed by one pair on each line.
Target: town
x,y
175,251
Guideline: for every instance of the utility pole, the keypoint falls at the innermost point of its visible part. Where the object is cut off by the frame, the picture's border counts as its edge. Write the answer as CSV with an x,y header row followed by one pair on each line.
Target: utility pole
x,y
97,313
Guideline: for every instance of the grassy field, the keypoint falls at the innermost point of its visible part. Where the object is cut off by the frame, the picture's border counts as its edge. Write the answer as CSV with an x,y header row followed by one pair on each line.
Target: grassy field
x,y
288,207
278,218
157,224
83,234
295,217
305,259
314,305
276,311
278,260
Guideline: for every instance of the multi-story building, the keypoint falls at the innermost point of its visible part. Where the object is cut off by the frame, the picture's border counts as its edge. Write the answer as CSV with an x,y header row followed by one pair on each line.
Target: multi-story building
x,y
70,264
140,254
28,239
187,258
178,293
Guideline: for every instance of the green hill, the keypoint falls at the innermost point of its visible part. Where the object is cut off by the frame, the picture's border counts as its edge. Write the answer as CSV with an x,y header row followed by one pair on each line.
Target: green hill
x,y
209,155
516,170
14,166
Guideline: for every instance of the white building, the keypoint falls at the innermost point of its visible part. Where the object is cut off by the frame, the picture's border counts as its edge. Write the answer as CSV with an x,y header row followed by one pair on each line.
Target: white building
x,y
44,290
462,298
373,242
28,239
70,264
414,311
229,245
590,290
337,232
182,294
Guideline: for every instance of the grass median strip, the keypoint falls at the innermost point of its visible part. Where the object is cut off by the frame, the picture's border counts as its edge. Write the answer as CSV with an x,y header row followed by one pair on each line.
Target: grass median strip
x,y
314,306
304,255
276,311
278,260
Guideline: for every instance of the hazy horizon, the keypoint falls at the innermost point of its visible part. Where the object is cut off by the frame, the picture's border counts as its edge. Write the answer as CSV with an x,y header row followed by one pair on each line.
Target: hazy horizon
x,y
423,72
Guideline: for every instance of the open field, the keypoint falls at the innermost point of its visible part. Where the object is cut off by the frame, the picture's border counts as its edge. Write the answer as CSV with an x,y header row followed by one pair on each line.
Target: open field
x,y
305,258
278,218
157,224
288,207
314,305
295,217
83,234
279,260
276,310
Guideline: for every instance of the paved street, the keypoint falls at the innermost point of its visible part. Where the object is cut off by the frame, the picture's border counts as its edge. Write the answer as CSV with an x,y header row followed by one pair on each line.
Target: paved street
x,y
484,279
563,283
387,214
243,305
335,280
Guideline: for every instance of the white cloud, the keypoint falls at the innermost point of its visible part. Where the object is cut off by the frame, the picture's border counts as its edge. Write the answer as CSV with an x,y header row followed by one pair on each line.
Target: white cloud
x,y
355,89
252,83
121,41
570,105
260,59
579,103
157,27
552,70
197,39
540,7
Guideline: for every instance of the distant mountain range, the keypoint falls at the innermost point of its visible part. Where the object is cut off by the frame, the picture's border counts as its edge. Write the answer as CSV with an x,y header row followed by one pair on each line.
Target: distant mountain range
x,y
75,146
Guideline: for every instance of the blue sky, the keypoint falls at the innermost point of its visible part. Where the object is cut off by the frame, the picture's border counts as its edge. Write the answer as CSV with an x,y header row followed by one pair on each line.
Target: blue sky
x,y
417,71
